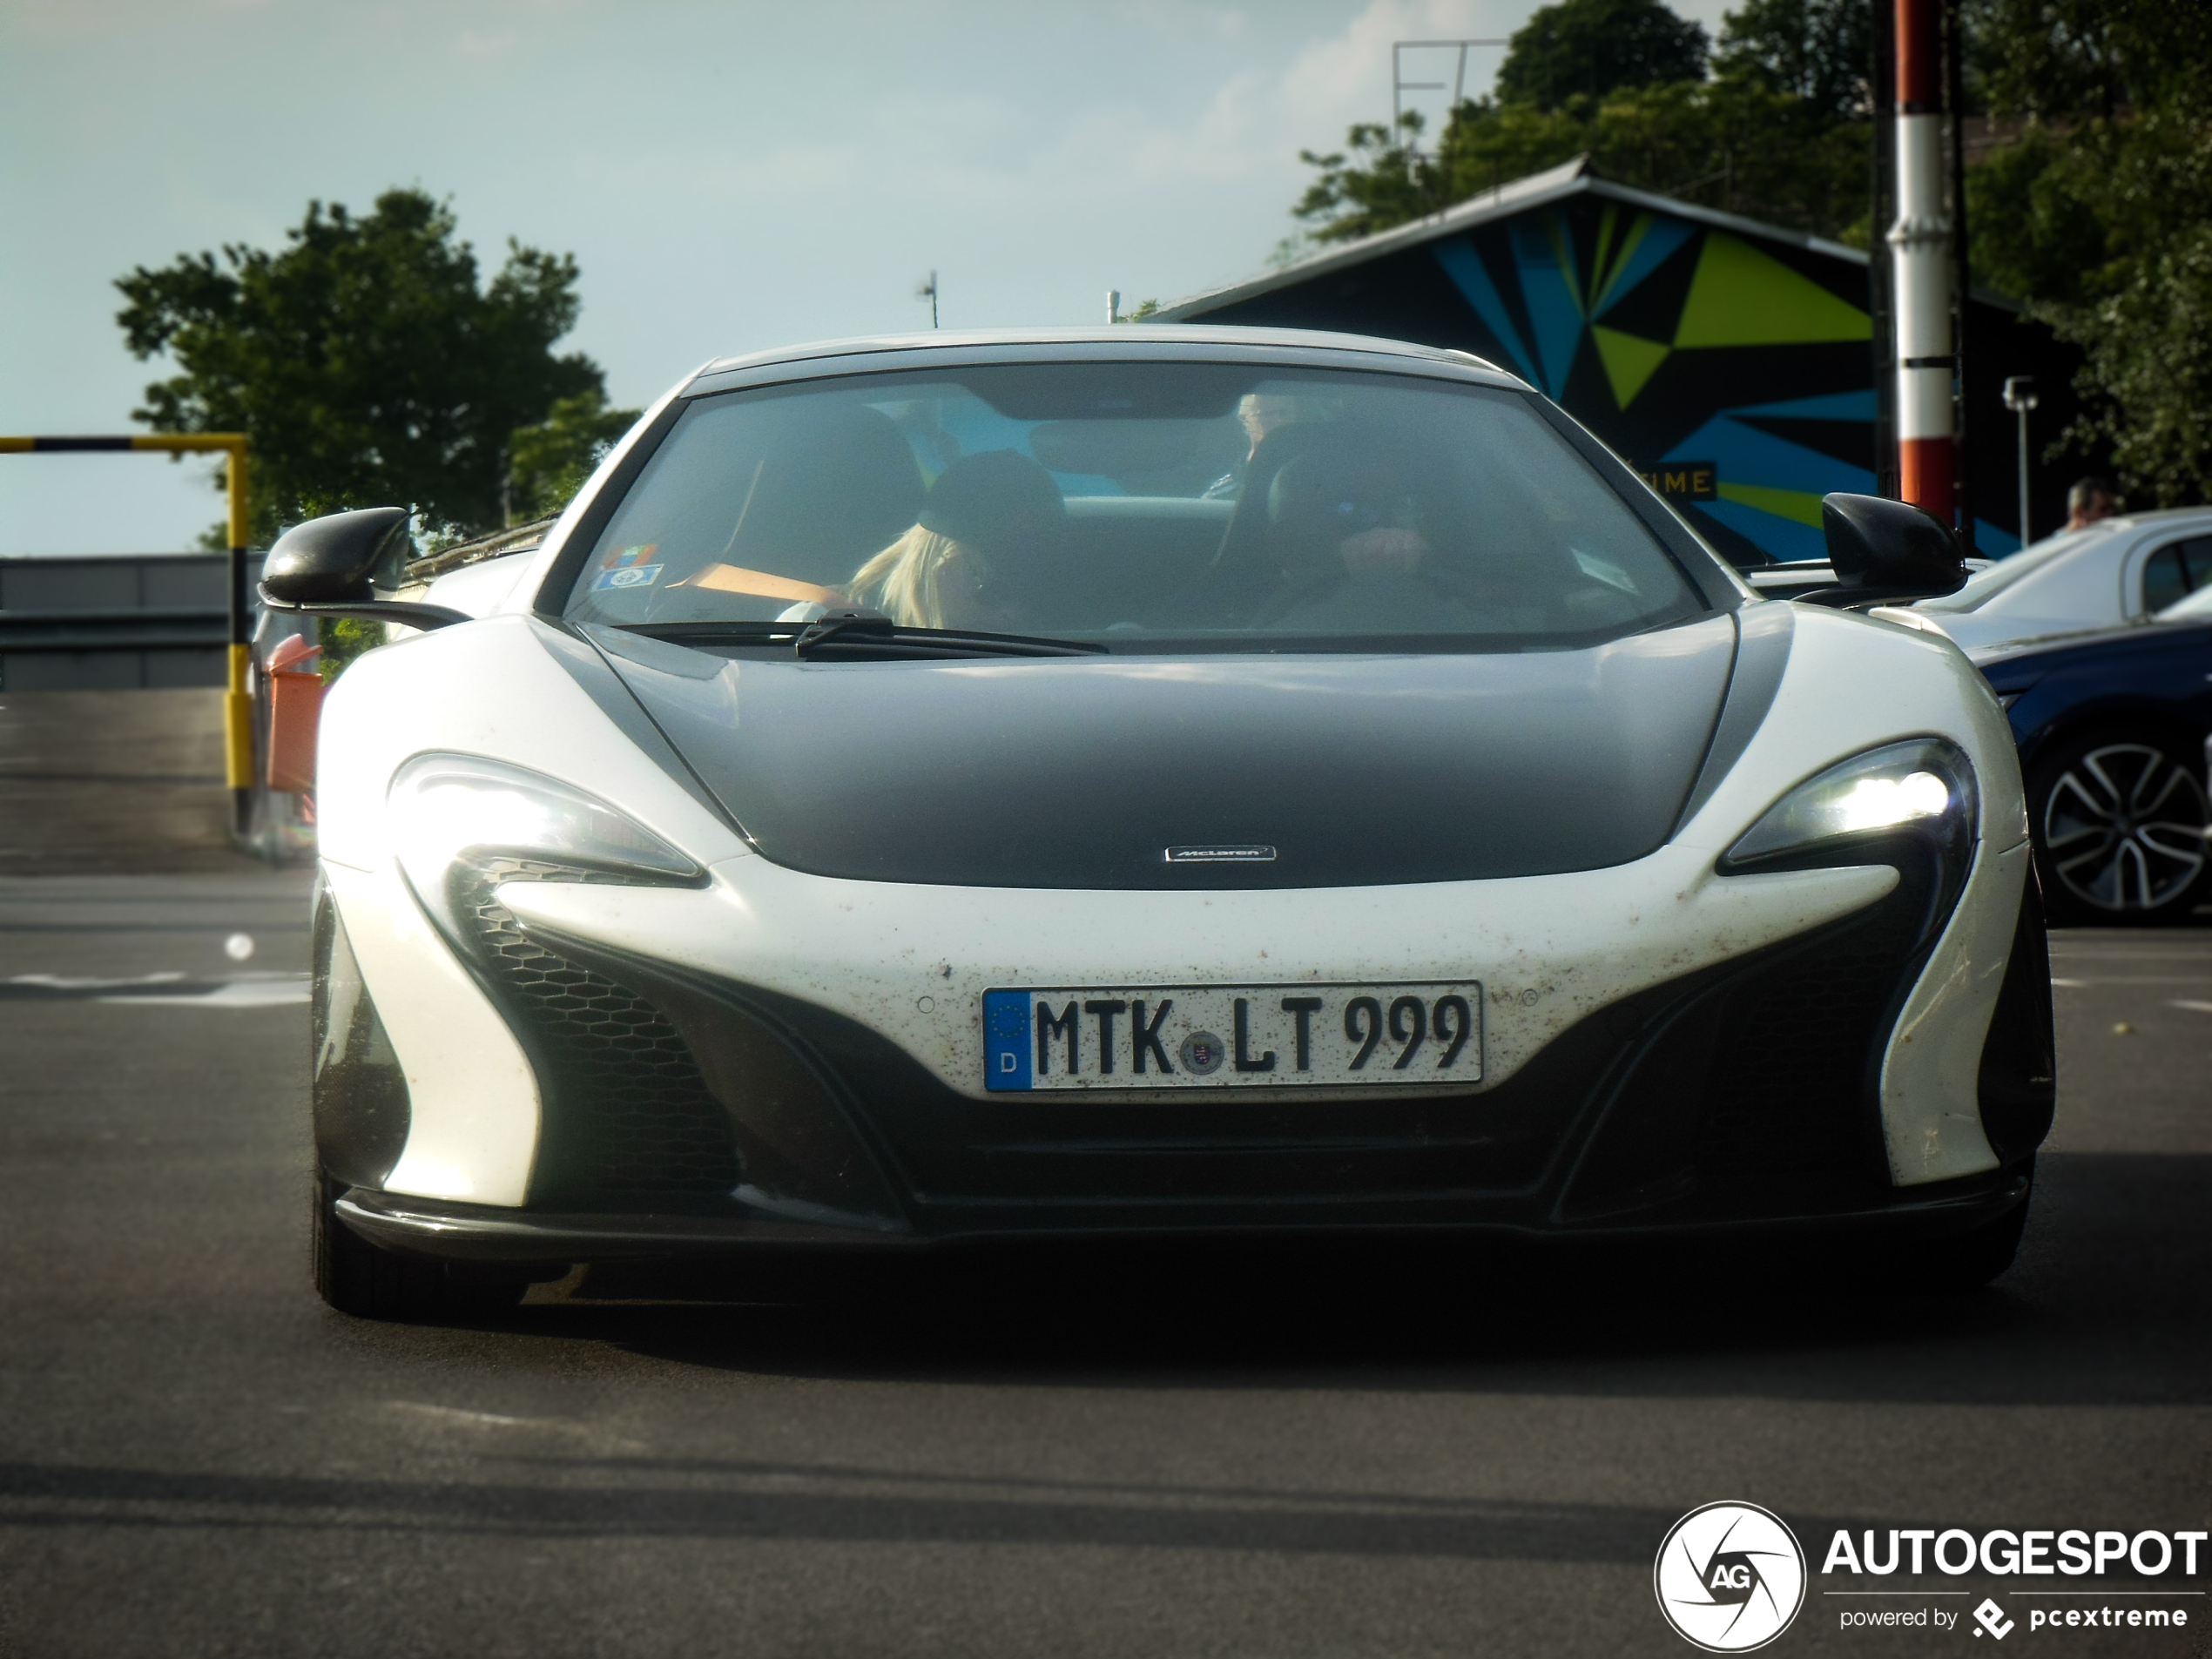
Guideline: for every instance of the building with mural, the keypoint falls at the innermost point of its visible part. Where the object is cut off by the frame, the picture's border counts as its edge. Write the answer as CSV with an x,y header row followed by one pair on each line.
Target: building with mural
x,y
1733,363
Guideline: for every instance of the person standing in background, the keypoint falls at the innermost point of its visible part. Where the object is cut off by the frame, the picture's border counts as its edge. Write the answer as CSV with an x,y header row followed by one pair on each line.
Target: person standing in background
x,y
2089,500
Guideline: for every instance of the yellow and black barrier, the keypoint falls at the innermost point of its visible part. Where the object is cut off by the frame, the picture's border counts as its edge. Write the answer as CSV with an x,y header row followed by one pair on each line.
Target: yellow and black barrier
x,y
238,706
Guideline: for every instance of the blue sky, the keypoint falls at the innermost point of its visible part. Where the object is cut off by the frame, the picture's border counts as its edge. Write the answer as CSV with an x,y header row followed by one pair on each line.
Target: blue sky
x,y
729,176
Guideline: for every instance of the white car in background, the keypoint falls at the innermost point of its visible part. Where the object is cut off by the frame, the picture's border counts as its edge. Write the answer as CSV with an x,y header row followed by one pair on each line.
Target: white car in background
x,y
2118,571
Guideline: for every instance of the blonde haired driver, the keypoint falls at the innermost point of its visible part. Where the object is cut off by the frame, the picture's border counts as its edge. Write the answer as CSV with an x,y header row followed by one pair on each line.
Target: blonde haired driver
x,y
989,526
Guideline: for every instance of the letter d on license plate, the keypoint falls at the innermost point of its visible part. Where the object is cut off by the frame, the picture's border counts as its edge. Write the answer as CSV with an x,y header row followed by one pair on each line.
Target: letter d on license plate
x,y
1216,1036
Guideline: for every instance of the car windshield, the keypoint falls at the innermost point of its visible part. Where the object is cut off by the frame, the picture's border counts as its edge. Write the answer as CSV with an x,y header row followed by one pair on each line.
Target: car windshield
x,y
1132,505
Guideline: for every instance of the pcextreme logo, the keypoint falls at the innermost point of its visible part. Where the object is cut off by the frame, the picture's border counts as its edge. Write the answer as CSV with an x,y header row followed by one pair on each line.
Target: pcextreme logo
x,y
1992,1618
1729,1577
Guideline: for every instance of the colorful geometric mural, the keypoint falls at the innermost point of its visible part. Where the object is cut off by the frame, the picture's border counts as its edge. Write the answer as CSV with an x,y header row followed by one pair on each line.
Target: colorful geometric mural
x,y
1678,337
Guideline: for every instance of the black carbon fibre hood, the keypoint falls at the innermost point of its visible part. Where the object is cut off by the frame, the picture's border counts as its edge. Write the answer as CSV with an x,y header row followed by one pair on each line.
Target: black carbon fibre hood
x,y
1082,772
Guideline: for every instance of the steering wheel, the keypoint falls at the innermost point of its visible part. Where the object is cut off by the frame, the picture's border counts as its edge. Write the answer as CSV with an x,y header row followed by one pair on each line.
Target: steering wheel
x,y
1444,584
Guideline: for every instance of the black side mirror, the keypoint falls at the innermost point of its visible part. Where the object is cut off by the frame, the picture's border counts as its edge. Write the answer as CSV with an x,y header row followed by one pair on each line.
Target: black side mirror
x,y
1885,551
329,567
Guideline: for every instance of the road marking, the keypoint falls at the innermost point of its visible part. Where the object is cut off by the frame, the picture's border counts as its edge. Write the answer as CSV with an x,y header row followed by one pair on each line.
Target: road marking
x,y
597,1436
2150,948
2194,1008
169,989
2139,979
455,1413
2167,958
66,982
231,994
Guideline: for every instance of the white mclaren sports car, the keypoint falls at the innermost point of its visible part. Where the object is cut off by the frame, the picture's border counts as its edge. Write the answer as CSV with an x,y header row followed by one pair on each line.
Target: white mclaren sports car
x,y
1146,781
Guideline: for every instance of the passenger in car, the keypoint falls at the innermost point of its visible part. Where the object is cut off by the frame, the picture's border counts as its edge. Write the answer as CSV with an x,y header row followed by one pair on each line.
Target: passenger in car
x,y
990,533
1259,414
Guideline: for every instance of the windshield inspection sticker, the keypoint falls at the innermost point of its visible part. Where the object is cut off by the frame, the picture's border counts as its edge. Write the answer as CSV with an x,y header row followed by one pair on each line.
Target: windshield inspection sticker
x,y
637,553
631,576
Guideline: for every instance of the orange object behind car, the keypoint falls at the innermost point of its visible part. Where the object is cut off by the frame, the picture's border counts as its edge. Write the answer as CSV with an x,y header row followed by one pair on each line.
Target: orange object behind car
x,y
296,714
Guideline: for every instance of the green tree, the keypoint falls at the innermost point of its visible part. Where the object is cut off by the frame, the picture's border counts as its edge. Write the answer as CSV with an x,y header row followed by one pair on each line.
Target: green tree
x,y
552,458
1822,50
2099,216
344,638
1590,47
1781,133
1730,144
2067,60
366,360
1385,180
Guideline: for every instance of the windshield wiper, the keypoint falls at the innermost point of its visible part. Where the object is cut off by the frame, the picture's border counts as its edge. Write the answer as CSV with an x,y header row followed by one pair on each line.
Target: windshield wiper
x,y
864,638
880,639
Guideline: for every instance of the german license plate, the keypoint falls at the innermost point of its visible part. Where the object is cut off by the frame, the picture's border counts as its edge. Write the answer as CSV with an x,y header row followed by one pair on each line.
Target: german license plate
x,y
1232,1037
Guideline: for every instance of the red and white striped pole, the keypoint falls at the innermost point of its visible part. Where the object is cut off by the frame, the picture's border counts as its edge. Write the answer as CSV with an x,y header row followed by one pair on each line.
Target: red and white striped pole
x,y
1920,253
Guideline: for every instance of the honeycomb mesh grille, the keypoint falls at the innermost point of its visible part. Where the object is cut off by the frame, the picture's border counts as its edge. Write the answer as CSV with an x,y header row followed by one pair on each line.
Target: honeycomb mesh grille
x,y
1789,1095
627,1109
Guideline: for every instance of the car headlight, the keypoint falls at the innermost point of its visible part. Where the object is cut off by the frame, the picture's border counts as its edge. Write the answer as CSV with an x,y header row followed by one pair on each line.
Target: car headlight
x,y
1923,787
457,820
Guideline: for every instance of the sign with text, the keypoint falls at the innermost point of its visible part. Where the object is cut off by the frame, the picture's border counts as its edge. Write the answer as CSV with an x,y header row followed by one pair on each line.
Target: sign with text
x,y
1684,480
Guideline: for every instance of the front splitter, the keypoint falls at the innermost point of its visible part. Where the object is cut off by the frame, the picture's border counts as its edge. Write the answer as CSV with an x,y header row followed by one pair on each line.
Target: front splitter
x,y
486,1234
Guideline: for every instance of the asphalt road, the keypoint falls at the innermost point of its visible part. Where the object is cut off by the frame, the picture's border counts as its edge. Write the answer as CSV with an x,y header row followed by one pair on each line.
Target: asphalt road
x,y
1407,1453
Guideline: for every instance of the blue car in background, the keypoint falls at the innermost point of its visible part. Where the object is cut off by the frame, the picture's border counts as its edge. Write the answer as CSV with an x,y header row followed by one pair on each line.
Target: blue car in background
x,y
2112,728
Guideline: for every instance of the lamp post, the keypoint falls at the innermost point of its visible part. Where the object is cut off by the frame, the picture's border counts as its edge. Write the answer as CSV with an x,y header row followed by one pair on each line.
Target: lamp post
x,y
2020,397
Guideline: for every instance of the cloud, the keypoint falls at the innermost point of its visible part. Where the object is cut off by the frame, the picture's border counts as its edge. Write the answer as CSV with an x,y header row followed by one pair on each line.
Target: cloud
x,y
733,178
1350,74
1255,120
728,175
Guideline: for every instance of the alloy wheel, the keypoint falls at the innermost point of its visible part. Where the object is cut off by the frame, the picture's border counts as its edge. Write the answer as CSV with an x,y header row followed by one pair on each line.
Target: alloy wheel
x,y
2126,828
